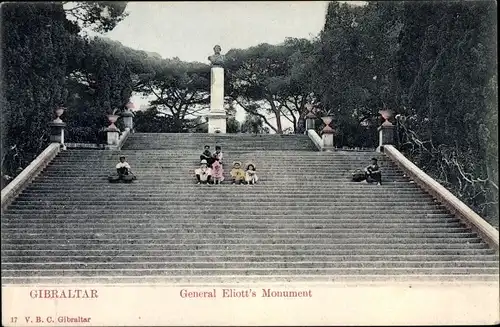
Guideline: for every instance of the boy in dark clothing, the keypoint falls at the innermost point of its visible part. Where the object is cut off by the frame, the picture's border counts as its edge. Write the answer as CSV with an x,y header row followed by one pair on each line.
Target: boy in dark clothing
x,y
206,155
373,173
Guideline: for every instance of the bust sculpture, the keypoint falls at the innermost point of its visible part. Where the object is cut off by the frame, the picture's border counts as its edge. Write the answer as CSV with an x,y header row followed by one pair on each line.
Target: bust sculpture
x,y
217,59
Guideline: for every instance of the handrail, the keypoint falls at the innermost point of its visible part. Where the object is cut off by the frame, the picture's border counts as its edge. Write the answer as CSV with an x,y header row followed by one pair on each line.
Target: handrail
x,y
123,138
15,187
317,140
472,219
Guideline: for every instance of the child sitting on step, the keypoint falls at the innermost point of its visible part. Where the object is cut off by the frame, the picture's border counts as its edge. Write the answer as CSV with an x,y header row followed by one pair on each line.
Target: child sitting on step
x,y
207,155
217,171
250,174
237,174
123,172
204,173
218,153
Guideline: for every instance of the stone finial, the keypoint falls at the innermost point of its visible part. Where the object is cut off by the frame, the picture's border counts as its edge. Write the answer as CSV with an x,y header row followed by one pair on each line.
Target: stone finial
x,y
310,111
327,134
386,130
59,111
128,116
327,129
112,119
57,128
386,114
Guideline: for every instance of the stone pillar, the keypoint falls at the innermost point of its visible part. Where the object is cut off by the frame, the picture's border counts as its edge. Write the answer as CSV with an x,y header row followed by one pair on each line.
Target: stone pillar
x,y
57,128
113,131
310,118
217,115
385,134
128,120
385,131
327,134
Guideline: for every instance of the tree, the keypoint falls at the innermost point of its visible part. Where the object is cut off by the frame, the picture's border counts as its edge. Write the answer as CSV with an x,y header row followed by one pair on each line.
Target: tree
x,y
153,121
232,125
100,16
271,80
181,89
36,72
254,125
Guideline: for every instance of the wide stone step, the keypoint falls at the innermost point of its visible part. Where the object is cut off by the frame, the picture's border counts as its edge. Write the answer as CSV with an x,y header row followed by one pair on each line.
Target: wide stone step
x,y
188,184
387,189
228,230
409,258
229,238
216,209
247,265
214,201
241,218
148,196
233,224
260,162
112,280
184,178
284,156
250,271
261,147
212,214
343,249
312,172
243,202
27,197
182,172
202,204
189,181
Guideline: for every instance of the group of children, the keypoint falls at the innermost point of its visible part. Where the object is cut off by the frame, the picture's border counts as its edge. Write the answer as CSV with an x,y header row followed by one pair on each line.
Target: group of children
x,y
211,169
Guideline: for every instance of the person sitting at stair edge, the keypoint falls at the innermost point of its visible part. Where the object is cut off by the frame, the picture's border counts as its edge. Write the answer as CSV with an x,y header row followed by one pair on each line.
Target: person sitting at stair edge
x,y
204,173
373,173
250,174
237,174
123,172
207,155
217,171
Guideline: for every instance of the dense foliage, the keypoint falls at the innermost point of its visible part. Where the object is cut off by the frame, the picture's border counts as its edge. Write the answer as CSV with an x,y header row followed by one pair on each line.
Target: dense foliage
x,y
435,65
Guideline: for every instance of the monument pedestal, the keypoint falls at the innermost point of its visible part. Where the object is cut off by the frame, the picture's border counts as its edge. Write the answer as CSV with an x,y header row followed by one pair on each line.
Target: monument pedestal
x,y
217,122
217,115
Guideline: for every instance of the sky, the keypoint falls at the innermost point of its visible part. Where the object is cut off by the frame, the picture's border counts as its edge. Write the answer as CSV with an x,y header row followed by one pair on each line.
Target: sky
x,y
189,30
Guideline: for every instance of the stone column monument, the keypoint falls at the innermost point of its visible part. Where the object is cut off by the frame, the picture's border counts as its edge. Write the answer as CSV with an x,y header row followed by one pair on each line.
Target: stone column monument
x,y
217,115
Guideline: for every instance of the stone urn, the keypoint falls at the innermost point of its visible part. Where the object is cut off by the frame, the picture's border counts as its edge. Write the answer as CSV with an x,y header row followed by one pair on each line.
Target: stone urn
x,y
327,121
59,111
112,119
386,114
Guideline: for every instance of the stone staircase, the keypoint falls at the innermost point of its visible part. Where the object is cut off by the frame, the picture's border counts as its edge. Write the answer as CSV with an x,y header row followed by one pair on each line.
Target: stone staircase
x,y
305,220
